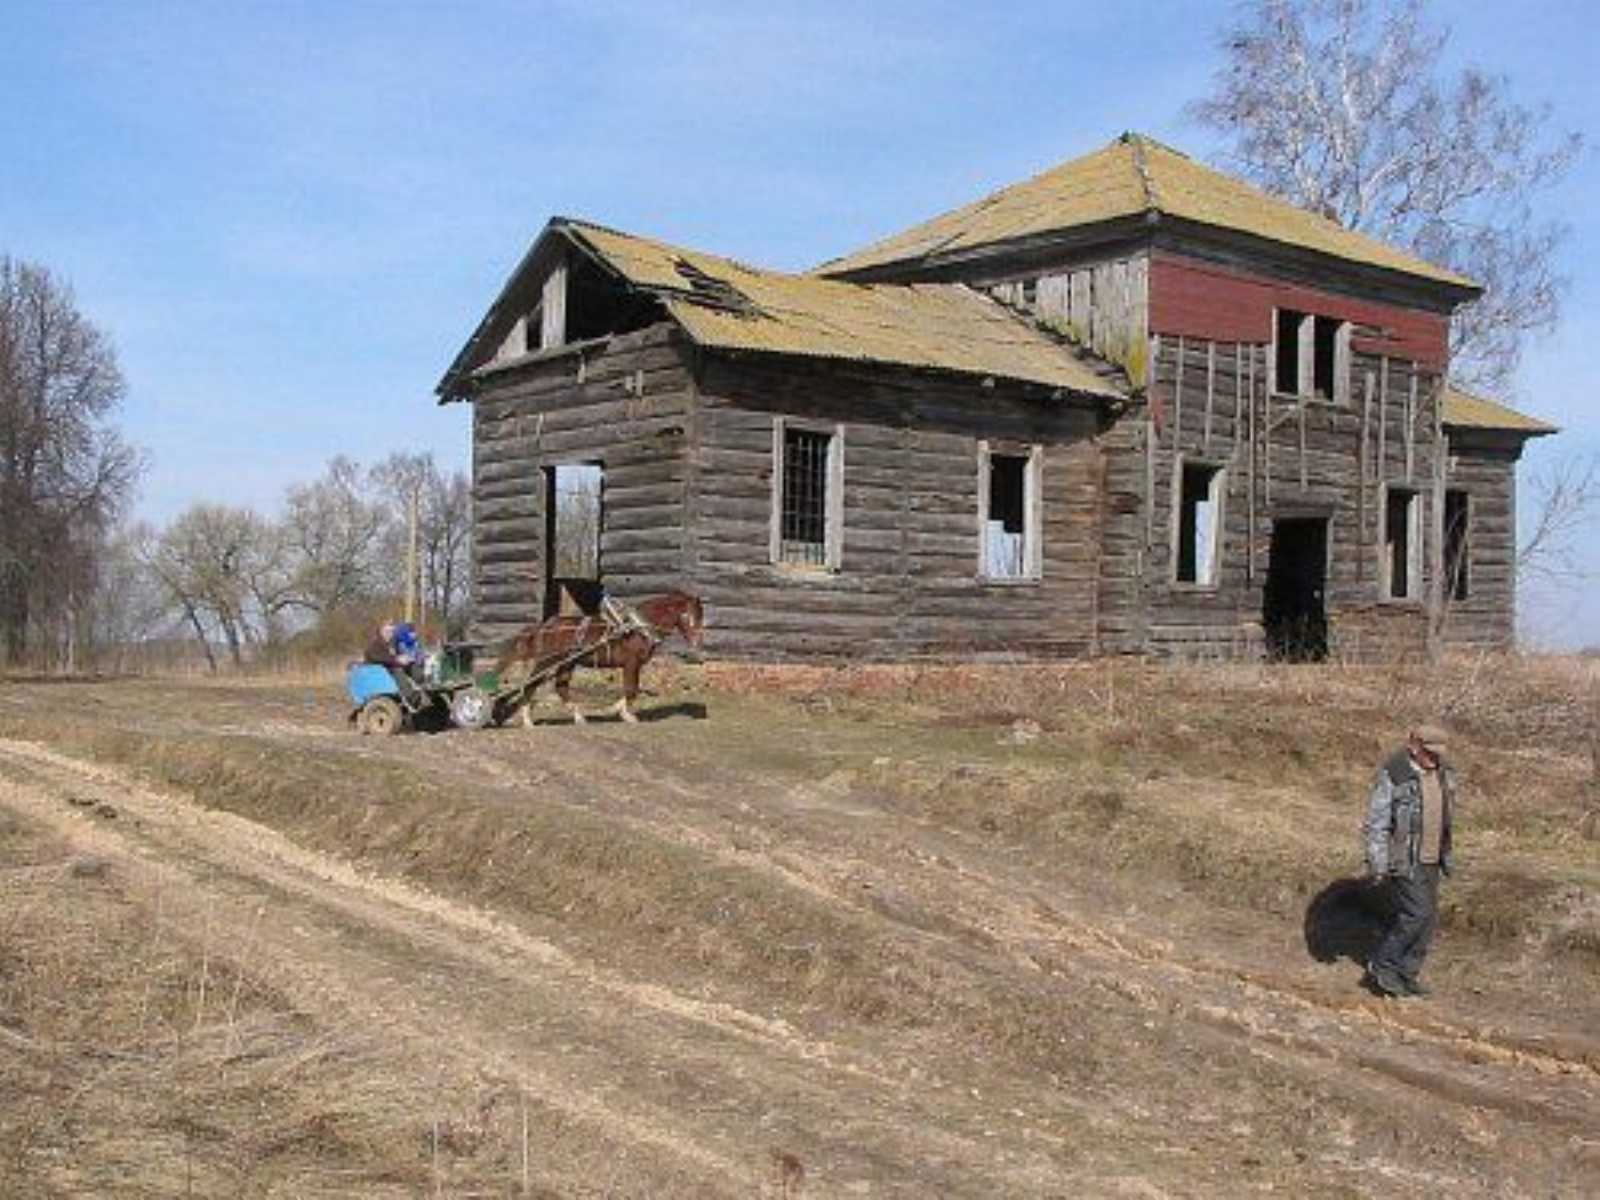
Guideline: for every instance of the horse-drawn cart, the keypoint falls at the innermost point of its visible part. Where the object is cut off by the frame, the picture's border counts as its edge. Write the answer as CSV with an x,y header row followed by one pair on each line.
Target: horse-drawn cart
x,y
452,691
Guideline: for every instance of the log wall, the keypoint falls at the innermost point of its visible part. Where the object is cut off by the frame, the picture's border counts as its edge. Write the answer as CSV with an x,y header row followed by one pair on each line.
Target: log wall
x,y
908,582
686,444
625,403
1210,402
1485,469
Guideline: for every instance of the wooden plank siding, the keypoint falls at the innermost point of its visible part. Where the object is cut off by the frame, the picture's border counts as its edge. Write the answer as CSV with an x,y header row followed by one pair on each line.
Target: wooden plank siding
x,y
625,404
1210,402
1099,305
1485,470
908,582
1201,299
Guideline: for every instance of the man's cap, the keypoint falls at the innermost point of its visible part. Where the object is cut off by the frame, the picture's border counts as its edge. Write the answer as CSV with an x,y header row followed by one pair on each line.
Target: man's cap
x,y
1430,737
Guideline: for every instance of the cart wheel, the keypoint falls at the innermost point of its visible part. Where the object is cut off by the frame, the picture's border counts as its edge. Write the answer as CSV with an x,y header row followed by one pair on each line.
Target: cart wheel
x,y
470,708
382,716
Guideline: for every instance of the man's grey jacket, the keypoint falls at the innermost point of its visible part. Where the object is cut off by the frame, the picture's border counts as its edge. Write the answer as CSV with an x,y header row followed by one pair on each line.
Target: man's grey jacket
x,y
1393,829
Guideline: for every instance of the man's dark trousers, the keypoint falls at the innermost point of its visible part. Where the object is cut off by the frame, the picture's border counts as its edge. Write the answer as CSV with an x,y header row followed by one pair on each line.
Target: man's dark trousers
x,y
1416,915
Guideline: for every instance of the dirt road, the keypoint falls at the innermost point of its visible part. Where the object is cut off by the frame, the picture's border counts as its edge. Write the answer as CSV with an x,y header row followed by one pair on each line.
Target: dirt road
x,y
680,960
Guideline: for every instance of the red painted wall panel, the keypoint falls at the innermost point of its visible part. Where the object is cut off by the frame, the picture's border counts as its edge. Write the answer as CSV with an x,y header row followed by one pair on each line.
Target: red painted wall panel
x,y
1205,300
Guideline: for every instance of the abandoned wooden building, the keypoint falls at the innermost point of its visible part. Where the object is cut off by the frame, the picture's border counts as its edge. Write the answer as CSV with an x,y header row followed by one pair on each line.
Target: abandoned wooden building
x,y
1131,405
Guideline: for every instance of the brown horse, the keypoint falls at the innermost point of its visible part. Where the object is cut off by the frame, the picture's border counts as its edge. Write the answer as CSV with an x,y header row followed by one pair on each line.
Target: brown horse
x,y
540,646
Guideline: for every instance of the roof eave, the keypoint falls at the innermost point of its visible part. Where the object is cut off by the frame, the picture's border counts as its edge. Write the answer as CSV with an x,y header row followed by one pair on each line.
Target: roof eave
x,y
1057,389
450,386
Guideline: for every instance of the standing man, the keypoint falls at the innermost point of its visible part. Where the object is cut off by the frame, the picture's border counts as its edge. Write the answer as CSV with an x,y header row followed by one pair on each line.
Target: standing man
x,y
1408,845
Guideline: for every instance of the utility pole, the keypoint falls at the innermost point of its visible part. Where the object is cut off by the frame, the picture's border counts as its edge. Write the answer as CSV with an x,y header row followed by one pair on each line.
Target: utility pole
x,y
411,558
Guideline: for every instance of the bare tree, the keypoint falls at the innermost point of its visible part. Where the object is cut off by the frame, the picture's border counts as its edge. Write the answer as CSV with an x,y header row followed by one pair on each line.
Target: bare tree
x,y
335,531
65,474
444,524
128,605
215,563
448,550
1342,107
1565,496
576,551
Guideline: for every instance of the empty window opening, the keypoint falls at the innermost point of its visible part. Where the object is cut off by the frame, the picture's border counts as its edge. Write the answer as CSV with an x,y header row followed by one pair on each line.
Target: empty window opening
x,y
1199,524
1457,545
1325,357
1005,528
803,516
573,493
1286,378
1401,544
575,302
1313,355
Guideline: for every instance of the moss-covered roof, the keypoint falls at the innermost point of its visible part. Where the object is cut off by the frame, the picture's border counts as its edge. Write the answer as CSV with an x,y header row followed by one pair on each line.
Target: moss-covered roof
x,y
724,305
1134,175
1463,410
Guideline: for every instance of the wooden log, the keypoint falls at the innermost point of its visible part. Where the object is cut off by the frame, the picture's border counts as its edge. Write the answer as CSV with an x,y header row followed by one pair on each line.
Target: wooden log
x,y
1211,392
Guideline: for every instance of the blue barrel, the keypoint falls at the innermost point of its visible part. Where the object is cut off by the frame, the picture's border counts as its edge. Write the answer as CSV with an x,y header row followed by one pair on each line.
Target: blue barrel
x,y
366,680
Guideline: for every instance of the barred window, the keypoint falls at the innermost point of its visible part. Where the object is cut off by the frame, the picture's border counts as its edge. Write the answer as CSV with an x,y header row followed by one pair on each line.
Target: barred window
x,y
808,509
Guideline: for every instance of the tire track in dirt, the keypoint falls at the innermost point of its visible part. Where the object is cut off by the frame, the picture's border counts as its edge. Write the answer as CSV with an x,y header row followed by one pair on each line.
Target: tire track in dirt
x,y
817,835
1413,1046
442,979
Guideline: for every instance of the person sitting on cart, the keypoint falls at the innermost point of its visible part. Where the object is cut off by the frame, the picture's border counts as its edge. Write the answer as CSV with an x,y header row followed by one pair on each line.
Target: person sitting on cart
x,y
395,646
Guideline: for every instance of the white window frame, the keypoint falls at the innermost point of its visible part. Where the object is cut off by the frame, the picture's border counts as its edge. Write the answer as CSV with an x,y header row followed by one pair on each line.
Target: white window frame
x,y
833,498
1032,510
1216,497
1413,524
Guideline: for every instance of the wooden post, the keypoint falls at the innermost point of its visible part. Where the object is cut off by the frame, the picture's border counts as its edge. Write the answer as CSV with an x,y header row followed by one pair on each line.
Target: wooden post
x,y
1304,479
1266,443
1366,470
1250,529
1383,420
1238,391
1177,395
1174,483
1436,580
1411,426
1211,387
1151,433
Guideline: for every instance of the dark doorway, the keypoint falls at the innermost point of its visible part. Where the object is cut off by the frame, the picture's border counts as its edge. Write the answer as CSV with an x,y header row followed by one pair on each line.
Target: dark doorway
x,y
573,518
1294,610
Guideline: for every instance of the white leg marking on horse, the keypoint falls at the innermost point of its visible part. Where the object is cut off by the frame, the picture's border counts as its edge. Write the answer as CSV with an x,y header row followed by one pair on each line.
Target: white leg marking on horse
x,y
577,715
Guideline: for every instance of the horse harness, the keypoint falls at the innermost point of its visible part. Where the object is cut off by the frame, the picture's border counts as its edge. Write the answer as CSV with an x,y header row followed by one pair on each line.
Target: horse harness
x,y
621,621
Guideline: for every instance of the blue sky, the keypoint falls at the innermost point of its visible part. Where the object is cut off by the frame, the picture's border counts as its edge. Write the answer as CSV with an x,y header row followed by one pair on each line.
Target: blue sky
x,y
289,216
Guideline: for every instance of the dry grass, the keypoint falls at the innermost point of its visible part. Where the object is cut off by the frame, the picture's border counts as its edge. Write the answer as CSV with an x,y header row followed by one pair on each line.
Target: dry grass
x,y
1235,787
139,1061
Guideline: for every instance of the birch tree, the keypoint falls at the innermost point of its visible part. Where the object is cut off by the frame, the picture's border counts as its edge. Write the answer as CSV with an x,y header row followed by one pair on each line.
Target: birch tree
x,y
1346,107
